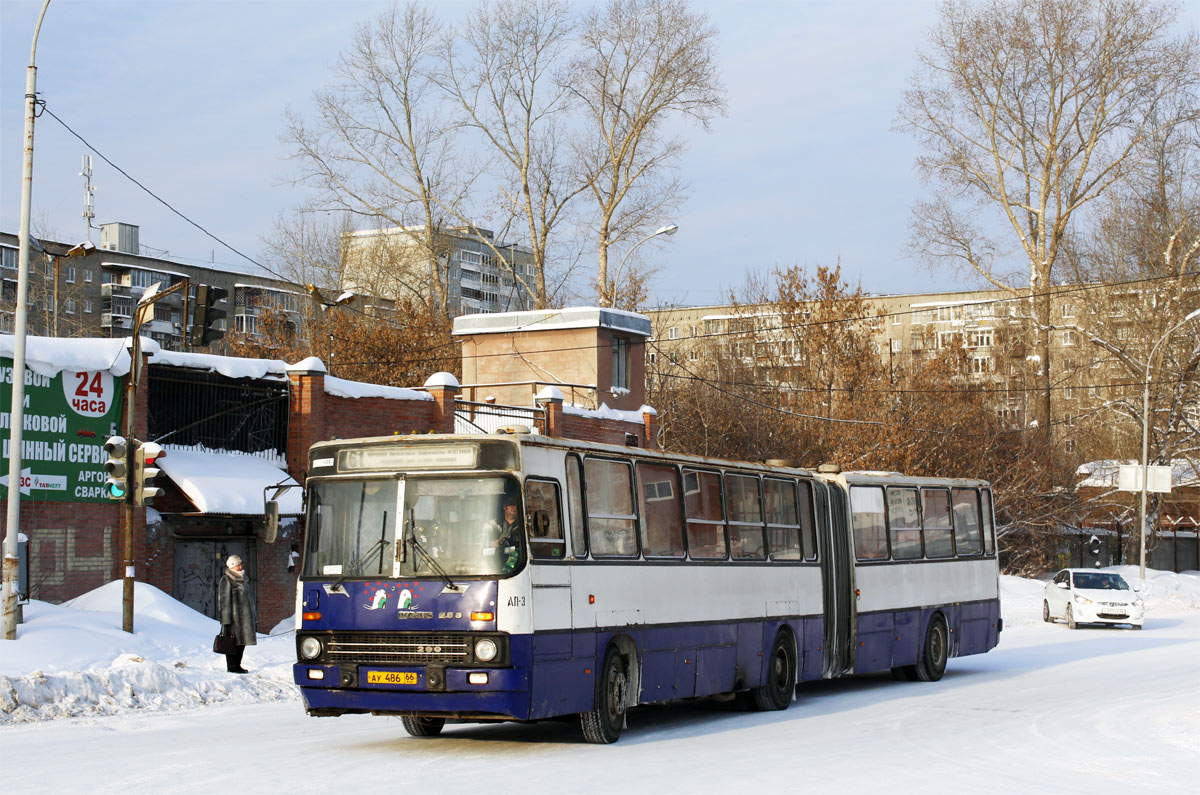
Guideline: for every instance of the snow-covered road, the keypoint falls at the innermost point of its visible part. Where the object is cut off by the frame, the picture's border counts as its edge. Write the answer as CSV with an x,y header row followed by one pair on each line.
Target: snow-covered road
x,y
1051,710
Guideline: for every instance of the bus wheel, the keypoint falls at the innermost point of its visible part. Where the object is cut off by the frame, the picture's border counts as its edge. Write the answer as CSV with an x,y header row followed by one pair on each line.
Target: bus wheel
x,y
603,723
776,693
423,727
937,648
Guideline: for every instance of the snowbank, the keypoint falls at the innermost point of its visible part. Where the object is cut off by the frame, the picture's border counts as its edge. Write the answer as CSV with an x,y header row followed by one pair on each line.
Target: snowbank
x,y
73,660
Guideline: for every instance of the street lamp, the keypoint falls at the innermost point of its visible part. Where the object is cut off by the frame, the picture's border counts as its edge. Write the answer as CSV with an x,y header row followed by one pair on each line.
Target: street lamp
x,y
8,591
669,229
1146,428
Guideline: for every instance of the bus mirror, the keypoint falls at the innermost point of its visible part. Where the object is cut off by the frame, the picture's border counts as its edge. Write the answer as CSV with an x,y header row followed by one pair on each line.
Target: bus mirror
x,y
271,519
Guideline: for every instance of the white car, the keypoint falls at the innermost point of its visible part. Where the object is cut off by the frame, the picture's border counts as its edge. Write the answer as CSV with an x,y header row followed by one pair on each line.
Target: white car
x,y
1087,596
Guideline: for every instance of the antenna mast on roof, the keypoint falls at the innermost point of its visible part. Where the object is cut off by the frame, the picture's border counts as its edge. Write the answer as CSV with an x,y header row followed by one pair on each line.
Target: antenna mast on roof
x,y
89,190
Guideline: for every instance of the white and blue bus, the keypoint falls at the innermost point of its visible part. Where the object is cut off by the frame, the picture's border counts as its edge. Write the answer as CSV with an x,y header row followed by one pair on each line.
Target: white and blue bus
x,y
518,577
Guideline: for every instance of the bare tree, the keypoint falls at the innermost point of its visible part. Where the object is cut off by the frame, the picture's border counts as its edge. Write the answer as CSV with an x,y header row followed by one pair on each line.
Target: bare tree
x,y
640,65
501,68
384,146
1145,251
1032,109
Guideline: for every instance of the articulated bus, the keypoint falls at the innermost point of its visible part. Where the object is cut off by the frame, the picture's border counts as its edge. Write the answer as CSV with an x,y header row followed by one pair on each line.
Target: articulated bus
x,y
516,577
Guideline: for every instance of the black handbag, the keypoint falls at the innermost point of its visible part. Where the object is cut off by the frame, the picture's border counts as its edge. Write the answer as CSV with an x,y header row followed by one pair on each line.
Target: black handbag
x,y
224,644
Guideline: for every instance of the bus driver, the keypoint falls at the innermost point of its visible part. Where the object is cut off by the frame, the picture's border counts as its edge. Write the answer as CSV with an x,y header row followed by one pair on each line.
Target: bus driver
x,y
506,539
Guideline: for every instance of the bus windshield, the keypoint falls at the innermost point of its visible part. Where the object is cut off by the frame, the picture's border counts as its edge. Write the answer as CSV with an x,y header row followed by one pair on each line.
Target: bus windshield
x,y
450,527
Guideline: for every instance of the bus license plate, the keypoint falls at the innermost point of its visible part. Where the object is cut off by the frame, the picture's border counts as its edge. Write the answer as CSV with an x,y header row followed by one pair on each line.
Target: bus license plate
x,y
391,678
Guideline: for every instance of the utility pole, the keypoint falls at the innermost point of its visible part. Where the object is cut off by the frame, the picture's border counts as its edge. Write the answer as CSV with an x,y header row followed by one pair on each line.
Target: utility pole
x,y
8,594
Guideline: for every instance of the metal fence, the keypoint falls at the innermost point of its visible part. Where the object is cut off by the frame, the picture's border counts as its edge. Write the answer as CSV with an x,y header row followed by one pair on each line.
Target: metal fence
x,y
187,407
472,417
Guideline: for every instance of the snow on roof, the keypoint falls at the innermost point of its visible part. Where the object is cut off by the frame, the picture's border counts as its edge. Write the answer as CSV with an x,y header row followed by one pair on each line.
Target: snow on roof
x,y
546,319
605,413
229,366
49,356
223,482
960,302
340,387
268,289
1103,474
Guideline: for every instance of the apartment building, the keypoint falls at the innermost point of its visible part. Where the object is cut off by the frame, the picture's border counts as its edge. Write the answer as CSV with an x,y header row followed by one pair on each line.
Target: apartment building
x,y
481,271
1096,332
92,291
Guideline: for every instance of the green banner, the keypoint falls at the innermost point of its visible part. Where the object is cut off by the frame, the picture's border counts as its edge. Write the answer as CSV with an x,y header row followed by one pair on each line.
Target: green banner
x,y
67,419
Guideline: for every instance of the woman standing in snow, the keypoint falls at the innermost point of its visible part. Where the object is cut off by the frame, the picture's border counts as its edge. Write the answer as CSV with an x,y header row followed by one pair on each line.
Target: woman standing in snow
x,y
237,615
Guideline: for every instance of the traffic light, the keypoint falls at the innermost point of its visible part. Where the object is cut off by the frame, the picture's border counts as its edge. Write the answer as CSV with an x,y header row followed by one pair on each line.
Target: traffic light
x,y
117,467
205,315
144,472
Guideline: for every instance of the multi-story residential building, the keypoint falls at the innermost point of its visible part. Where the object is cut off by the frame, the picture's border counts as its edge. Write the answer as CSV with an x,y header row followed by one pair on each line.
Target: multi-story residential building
x,y
94,295
481,272
993,327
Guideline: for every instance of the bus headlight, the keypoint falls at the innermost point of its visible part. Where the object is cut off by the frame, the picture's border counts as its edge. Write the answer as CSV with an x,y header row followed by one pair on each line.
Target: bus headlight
x,y
310,648
485,650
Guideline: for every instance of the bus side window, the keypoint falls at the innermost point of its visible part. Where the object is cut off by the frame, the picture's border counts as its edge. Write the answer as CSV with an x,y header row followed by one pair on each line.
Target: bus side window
x,y
705,516
660,510
579,548
935,512
744,503
808,526
611,521
783,521
904,523
967,534
989,537
870,534
543,523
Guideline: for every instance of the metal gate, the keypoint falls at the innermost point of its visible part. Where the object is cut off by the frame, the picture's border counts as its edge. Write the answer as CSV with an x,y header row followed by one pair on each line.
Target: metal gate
x,y
199,564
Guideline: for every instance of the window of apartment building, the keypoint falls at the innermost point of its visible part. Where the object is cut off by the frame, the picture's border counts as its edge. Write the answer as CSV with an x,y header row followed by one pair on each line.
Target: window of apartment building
x,y
896,320
949,313
8,257
1068,337
673,357
924,316
6,322
979,338
87,275
895,345
948,339
673,333
691,331
694,355
122,307
714,326
1068,392
1069,445
982,364
620,363
1124,332
162,312
469,257
69,306
87,306
1068,310
1069,420
69,274
653,357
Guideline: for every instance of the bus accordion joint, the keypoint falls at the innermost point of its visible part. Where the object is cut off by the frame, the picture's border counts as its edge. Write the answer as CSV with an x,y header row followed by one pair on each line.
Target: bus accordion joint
x,y
311,616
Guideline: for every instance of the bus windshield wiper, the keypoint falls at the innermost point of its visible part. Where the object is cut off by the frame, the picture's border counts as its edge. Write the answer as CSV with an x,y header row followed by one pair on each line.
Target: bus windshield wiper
x,y
352,569
433,564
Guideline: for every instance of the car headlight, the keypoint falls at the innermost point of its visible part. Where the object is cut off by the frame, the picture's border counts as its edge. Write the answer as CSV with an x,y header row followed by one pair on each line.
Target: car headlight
x,y
486,650
1082,600
310,648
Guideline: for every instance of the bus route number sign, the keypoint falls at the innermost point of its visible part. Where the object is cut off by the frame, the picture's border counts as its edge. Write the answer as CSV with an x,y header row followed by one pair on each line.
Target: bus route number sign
x,y
391,678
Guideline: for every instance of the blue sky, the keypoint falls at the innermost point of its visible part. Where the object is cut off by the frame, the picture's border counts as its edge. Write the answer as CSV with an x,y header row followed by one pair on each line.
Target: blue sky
x,y
188,96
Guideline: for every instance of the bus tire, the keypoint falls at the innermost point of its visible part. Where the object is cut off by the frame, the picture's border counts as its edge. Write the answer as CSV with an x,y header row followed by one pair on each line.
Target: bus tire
x,y
602,724
776,693
935,652
423,727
